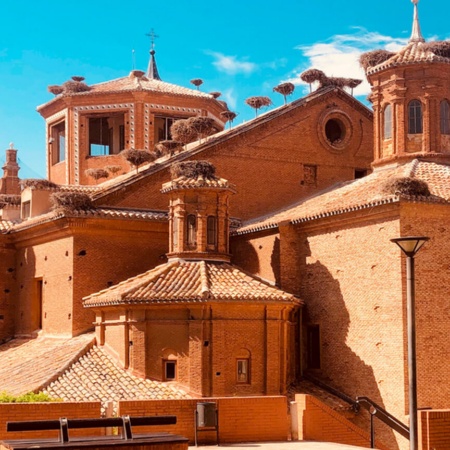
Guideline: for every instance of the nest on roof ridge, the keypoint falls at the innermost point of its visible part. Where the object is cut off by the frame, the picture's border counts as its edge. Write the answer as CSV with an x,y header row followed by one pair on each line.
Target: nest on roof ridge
x,y
38,183
8,199
70,202
193,170
439,48
374,57
407,186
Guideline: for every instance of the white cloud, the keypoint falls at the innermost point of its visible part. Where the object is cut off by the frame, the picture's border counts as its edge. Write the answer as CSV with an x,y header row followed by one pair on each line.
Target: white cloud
x,y
231,65
230,97
340,56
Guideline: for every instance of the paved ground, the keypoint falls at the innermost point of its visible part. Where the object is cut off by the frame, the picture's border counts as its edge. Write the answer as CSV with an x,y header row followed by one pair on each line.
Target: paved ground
x,y
297,445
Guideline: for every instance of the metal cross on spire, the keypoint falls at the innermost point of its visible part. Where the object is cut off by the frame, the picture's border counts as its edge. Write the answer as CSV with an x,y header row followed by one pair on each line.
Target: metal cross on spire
x,y
416,35
152,35
152,70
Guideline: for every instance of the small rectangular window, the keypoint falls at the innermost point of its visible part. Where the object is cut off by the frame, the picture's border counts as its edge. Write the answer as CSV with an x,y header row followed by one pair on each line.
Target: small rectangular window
x,y
26,210
243,371
170,370
212,231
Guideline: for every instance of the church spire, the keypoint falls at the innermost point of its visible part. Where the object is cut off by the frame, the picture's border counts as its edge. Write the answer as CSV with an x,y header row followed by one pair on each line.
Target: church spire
x,y
152,70
416,35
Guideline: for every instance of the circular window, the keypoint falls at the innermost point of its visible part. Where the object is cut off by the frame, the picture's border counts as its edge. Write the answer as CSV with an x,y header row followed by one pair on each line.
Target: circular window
x,y
335,131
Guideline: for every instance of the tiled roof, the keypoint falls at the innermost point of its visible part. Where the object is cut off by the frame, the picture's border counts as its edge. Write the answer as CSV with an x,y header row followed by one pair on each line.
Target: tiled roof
x,y
97,377
413,53
192,183
29,364
190,282
364,193
136,83
112,213
5,225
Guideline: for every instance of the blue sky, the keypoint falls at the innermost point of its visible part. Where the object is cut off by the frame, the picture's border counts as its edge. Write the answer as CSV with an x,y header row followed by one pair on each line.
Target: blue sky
x,y
240,48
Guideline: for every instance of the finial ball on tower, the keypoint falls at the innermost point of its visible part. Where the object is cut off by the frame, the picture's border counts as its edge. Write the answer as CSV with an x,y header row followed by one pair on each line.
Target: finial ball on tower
x,y
11,145
415,1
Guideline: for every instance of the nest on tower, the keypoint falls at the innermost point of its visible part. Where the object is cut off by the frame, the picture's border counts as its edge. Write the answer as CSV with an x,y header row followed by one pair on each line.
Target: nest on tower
x,y
193,170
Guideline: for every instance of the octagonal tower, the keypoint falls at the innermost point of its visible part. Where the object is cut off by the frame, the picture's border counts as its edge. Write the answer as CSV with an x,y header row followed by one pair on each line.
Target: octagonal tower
x,y
411,99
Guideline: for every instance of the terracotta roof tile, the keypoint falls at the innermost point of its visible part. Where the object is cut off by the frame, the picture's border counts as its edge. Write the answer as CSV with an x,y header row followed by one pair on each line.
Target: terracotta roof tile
x,y
136,83
28,364
113,213
413,53
359,194
182,281
95,376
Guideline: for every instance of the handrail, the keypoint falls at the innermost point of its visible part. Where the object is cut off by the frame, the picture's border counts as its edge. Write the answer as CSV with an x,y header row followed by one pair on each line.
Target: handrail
x,y
333,391
377,411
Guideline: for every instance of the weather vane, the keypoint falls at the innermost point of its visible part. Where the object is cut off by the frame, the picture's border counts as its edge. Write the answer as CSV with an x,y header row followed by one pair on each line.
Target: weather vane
x,y
152,35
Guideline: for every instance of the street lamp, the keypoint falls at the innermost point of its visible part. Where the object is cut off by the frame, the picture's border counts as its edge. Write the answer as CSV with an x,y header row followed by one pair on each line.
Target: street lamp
x,y
410,246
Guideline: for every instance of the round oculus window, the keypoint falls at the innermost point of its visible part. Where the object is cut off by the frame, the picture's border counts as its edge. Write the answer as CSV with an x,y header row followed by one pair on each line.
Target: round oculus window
x,y
335,130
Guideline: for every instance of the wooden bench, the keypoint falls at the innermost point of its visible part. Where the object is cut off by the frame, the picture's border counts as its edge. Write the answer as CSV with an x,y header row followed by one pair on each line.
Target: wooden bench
x,y
160,441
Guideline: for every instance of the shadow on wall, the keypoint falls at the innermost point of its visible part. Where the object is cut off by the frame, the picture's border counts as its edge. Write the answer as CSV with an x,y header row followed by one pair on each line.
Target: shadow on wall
x,y
340,367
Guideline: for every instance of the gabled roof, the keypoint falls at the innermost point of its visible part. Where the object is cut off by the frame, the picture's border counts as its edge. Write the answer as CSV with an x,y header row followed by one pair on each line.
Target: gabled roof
x,y
360,194
121,182
194,183
182,281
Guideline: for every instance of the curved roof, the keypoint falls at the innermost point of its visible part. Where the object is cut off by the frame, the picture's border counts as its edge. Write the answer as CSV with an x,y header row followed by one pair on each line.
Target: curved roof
x,y
415,52
182,281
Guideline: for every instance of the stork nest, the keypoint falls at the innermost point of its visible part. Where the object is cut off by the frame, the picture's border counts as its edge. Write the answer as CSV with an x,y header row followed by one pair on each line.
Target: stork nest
x,y
71,201
284,88
229,116
373,58
193,170
409,186
138,157
258,102
167,147
7,199
439,48
38,183
96,174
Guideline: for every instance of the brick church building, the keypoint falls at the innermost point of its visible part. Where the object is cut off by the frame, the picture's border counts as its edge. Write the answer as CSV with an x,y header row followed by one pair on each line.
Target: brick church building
x,y
271,262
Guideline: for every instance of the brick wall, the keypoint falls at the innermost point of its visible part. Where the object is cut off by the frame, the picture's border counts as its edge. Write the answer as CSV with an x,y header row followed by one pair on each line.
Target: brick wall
x,y
318,422
279,148
12,412
7,289
434,429
241,419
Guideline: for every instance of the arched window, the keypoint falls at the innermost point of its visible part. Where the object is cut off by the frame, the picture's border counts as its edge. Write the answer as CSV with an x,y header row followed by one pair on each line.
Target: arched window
x,y
191,230
445,117
388,122
212,231
415,117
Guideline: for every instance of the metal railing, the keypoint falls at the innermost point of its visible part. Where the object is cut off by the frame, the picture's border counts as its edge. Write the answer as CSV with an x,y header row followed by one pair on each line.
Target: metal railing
x,y
376,410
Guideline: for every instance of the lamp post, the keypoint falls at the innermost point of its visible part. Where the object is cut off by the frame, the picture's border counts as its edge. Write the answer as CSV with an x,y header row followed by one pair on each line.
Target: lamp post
x,y
410,246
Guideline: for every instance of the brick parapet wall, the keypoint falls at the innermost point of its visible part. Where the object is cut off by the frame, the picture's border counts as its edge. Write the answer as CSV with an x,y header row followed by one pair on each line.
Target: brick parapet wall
x,y
14,412
318,422
241,419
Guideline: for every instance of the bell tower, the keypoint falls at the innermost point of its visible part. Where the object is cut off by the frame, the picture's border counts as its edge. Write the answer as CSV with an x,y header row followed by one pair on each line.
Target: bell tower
x,y
411,99
199,220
